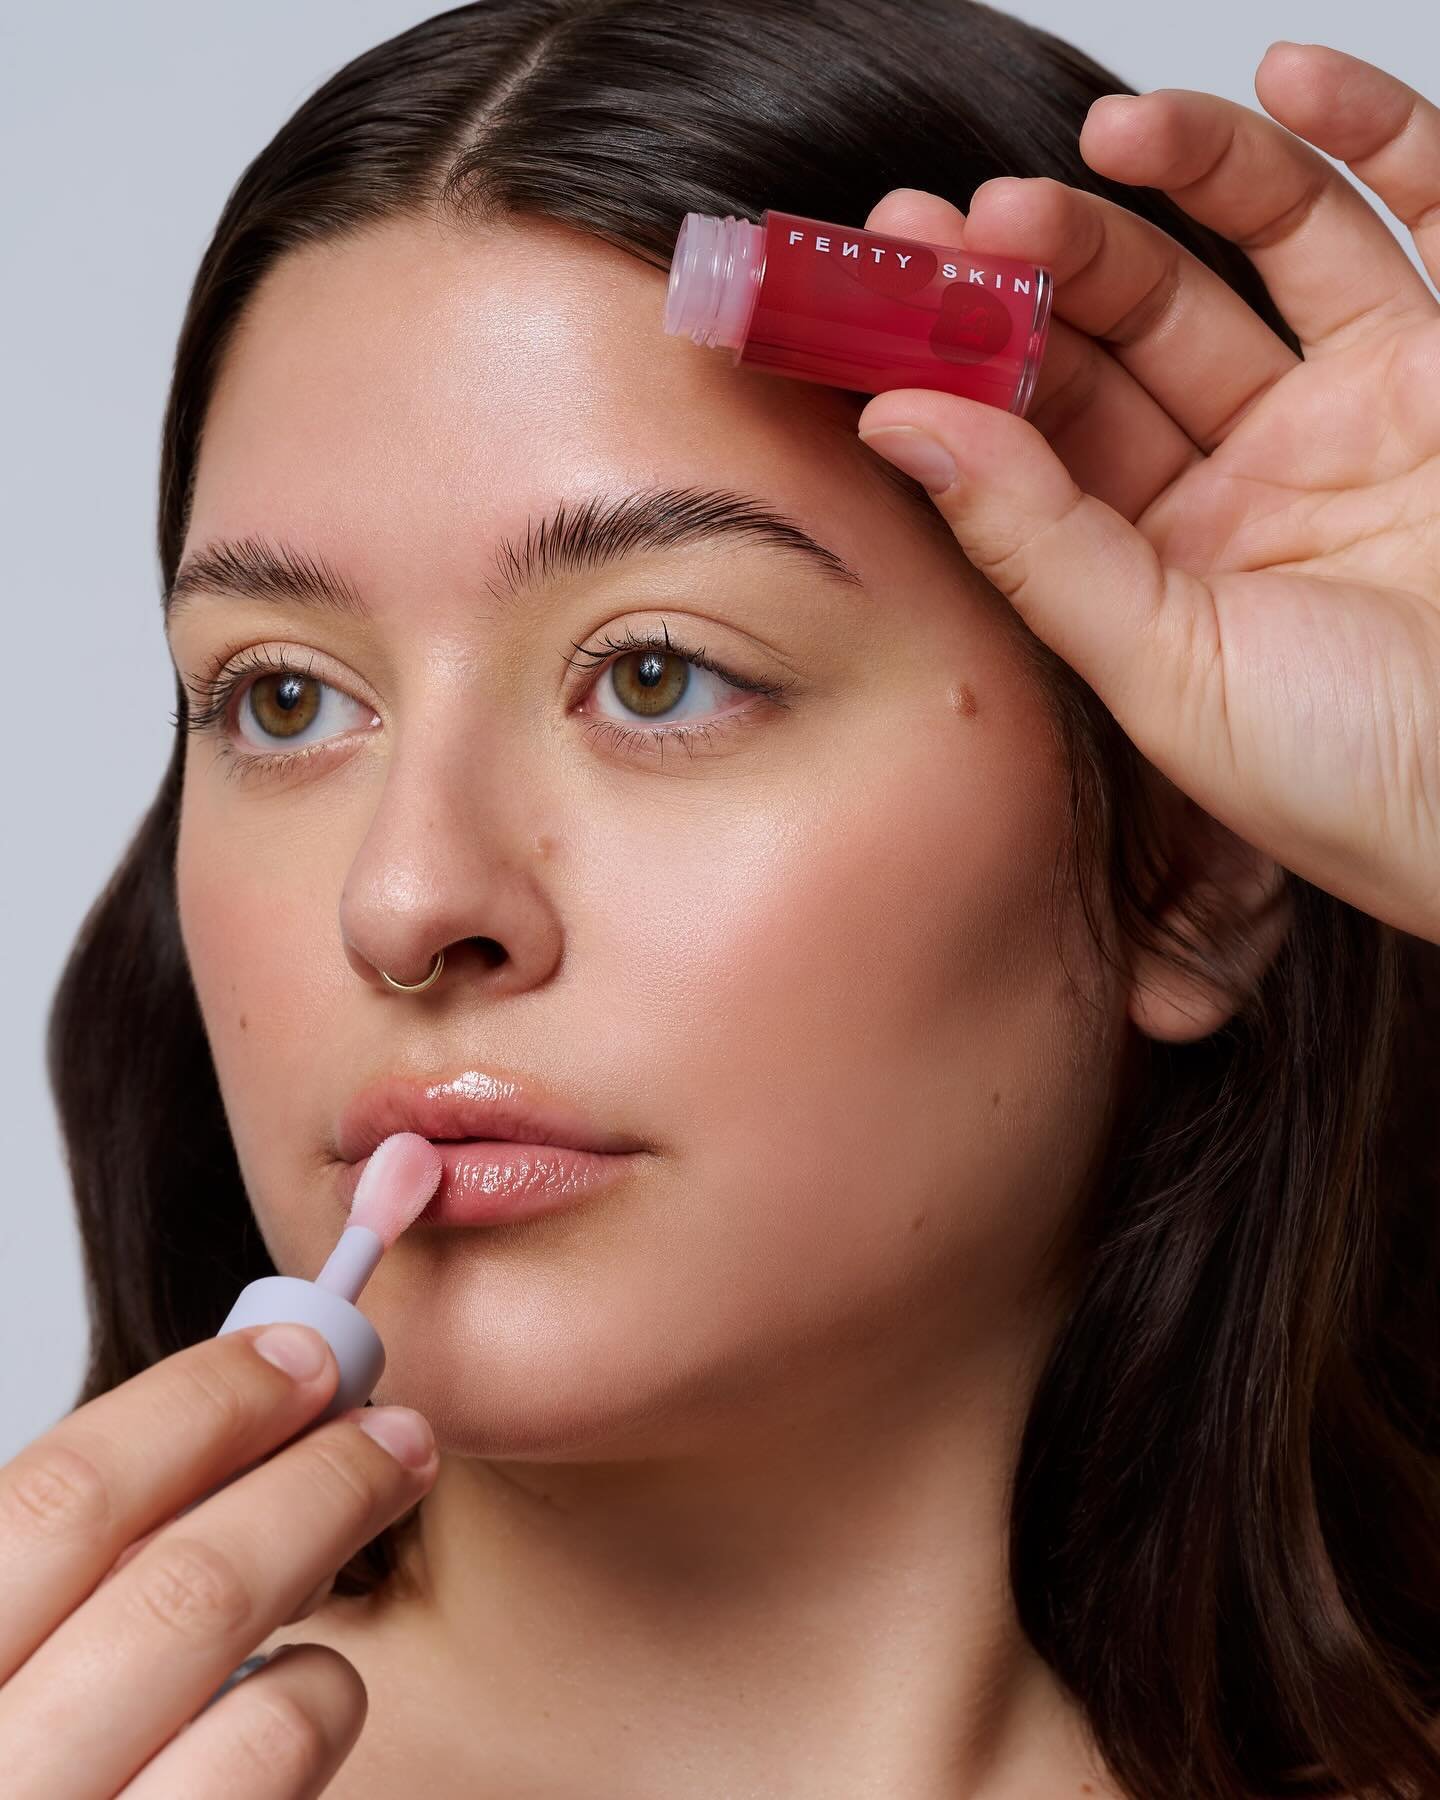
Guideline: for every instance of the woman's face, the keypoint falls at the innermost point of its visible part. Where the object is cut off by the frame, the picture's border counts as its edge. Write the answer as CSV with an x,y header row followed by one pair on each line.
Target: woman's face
x,y
806,956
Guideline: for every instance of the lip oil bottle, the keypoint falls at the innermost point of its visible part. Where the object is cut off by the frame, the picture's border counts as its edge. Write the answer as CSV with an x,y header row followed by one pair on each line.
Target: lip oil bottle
x,y
858,309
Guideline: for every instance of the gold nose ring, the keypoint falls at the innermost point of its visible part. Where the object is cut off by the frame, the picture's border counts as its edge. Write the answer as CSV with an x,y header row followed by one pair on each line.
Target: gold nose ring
x,y
417,987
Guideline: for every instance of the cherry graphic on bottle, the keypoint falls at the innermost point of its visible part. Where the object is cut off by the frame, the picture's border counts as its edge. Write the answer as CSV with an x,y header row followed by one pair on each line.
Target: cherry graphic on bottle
x,y
972,325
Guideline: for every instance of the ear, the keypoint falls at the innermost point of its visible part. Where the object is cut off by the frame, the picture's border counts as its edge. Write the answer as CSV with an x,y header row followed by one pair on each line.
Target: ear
x,y
1231,903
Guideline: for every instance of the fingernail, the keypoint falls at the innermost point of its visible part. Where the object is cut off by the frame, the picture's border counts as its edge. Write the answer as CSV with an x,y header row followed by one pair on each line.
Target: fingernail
x,y
914,453
296,1349
404,1433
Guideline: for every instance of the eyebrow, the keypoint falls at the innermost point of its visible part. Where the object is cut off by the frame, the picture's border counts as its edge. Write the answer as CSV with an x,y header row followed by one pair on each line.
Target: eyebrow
x,y
570,539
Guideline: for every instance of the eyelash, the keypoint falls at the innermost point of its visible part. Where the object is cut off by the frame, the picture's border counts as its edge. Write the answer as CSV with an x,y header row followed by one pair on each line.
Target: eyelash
x,y
216,692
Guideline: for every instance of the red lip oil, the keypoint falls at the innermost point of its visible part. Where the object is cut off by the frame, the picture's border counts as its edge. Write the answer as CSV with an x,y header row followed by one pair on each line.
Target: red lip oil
x,y
857,309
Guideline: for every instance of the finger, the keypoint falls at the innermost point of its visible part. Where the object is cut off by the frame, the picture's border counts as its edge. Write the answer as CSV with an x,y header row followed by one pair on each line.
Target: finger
x,y
317,1596
280,1734
151,1646
1082,578
308,1605
1383,130
1113,436
1333,268
1202,354
77,1498
1116,442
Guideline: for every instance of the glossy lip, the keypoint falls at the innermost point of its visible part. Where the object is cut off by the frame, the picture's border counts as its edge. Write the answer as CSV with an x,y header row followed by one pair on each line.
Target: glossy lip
x,y
510,1151
492,1182
475,1103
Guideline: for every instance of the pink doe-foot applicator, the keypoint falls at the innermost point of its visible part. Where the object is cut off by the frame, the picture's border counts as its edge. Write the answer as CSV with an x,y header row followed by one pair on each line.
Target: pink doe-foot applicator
x,y
403,1172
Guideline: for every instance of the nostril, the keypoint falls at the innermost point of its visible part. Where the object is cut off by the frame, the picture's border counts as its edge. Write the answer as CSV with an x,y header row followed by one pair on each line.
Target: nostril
x,y
492,951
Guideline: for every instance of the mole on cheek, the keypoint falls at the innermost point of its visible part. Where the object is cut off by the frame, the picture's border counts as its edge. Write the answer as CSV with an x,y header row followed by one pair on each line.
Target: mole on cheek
x,y
242,1021
962,700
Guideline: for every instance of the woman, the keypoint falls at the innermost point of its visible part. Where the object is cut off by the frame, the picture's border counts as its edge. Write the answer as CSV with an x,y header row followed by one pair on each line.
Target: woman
x,y
1002,1359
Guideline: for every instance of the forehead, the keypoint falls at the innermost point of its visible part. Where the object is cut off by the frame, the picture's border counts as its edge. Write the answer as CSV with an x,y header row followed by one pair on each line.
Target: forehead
x,y
380,383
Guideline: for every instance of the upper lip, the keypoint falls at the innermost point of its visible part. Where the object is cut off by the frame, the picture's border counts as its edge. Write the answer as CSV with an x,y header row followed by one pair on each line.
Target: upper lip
x,y
473,1103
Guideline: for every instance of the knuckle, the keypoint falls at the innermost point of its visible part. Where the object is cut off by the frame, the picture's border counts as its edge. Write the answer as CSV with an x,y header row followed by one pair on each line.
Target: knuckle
x,y
192,1589
341,1473
54,1491
218,1404
1152,308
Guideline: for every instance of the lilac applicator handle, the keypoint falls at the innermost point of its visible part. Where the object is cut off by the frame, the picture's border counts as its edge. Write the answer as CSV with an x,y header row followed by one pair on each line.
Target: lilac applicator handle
x,y
400,1176
290,1300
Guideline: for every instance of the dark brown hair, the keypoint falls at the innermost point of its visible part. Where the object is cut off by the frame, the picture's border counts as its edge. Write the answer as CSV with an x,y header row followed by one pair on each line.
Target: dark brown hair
x,y
1226,1511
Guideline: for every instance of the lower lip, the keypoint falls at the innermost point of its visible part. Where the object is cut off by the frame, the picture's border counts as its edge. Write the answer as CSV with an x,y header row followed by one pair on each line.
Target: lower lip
x,y
492,1181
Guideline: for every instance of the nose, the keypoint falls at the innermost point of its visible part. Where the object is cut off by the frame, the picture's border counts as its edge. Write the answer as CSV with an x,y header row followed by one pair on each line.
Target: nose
x,y
462,870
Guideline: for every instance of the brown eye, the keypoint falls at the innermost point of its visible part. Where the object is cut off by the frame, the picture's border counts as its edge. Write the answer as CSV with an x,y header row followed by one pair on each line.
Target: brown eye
x,y
284,703
649,682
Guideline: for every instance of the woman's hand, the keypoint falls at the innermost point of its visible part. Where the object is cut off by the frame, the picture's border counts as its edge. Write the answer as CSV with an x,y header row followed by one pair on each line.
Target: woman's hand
x,y
1238,550
120,1620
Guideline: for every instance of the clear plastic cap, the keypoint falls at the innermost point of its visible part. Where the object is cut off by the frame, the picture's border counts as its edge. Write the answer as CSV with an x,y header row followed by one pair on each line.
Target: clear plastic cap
x,y
714,277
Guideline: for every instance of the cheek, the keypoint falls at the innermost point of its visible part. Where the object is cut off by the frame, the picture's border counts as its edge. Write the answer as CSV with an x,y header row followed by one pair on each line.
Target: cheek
x,y
850,1004
261,949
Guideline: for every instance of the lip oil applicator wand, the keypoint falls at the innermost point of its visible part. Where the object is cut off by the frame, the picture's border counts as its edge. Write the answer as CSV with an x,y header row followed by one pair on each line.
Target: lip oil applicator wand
x,y
401,1175
399,1179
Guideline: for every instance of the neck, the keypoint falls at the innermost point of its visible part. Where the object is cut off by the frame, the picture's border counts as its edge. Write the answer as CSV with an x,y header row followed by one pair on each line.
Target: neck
x,y
820,1607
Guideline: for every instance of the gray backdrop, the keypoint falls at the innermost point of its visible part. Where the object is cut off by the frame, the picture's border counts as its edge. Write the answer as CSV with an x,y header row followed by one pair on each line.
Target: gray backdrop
x,y
123,128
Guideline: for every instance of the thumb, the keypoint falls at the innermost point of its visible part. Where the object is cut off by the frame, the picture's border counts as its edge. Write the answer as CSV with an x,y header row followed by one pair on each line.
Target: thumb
x,y
1084,580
